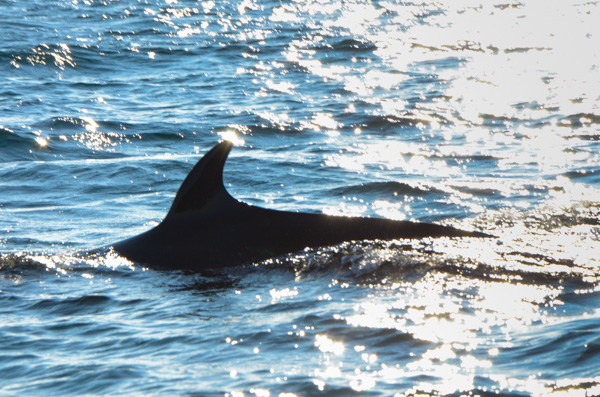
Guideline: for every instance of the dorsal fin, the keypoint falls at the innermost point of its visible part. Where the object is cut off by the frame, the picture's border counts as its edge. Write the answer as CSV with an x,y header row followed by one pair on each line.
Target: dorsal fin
x,y
204,183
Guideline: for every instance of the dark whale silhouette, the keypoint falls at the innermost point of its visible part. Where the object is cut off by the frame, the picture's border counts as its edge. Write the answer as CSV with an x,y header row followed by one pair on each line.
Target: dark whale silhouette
x,y
206,228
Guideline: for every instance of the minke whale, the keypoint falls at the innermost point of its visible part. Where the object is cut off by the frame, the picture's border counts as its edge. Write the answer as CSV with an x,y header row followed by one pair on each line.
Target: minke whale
x,y
207,229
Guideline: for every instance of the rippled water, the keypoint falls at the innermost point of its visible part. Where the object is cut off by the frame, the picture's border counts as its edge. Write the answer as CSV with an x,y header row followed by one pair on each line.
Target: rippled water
x,y
479,115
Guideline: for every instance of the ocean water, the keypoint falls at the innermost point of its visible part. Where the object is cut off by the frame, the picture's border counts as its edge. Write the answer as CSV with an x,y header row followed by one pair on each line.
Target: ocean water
x,y
481,115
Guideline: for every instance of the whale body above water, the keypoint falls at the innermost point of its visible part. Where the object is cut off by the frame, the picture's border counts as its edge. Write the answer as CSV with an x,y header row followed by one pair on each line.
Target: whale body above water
x,y
206,228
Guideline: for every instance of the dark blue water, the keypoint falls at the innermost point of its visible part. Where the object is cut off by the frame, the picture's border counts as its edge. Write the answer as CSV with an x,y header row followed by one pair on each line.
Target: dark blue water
x,y
480,115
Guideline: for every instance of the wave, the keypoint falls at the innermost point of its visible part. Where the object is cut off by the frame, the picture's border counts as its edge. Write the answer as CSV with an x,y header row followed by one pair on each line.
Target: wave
x,y
380,189
380,263
13,262
9,138
578,120
76,306
15,146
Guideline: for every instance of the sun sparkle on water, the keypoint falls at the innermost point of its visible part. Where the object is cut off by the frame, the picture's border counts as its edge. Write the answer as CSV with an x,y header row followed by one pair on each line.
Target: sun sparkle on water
x,y
488,109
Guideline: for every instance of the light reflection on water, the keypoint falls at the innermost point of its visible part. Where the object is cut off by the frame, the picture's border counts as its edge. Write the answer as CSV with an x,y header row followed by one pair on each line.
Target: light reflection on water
x,y
466,321
433,317
486,113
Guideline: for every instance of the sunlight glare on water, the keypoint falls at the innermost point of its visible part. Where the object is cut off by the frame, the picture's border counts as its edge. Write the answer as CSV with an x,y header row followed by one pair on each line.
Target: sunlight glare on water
x,y
465,336
478,115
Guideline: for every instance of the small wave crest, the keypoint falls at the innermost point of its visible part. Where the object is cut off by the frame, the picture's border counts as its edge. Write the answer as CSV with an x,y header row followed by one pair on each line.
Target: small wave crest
x,y
15,146
377,189
382,263
19,262
15,266
88,304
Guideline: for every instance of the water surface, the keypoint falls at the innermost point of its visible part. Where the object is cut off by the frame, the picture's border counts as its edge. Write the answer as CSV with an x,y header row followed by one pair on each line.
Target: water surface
x,y
479,115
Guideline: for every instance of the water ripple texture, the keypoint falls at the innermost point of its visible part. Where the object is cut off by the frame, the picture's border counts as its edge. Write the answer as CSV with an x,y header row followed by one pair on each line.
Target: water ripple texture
x,y
479,115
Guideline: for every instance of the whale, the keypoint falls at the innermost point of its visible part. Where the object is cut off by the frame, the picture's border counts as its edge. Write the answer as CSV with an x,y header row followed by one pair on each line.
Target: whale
x,y
208,229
